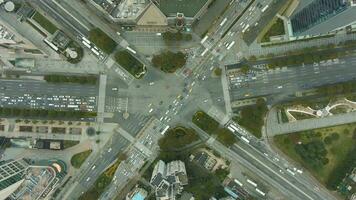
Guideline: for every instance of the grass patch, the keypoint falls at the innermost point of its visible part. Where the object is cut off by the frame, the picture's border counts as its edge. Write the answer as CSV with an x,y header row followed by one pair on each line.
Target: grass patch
x,y
169,37
130,63
44,22
177,138
78,159
69,143
338,148
301,116
276,29
252,117
211,126
283,117
205,122
55,78
168,61
101,183
102,40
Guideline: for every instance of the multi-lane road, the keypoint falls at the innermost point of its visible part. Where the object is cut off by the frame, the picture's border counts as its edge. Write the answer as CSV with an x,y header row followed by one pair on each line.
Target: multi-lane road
x,y
289,80
176,94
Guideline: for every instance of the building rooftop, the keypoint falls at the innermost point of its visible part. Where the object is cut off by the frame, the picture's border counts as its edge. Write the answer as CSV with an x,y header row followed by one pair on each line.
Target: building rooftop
x,y
345,18
152,16
315,13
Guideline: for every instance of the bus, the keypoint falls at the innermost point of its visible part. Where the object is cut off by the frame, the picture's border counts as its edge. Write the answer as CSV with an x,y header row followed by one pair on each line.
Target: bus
x,y
234,127
165,130
291,172
204,52
54,47
204,39
130,49
86,40
245,29
231,129
245,140
252,183
86,44
95,51
230,45
238,182
223,21
260,192
264,8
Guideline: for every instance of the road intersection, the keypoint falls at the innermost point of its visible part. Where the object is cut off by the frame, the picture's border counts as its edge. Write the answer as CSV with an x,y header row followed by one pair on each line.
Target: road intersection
x,y
167,99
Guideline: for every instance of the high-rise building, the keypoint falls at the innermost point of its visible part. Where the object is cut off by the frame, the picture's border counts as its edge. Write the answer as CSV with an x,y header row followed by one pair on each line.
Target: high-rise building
x,y
169,179
322,16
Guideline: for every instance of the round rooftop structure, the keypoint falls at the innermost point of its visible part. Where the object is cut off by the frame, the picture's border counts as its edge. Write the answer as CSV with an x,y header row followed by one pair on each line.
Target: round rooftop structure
x,y
9,6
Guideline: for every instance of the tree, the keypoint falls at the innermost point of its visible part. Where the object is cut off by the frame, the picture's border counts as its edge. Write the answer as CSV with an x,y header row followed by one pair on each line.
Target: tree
x,y
221,173
226,137
168,61
177,138
244,69
313,153
102,40
328,140
217,71
335,136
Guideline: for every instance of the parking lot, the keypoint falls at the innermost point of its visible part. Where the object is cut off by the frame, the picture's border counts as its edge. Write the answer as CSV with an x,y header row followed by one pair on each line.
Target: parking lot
x,y
34,94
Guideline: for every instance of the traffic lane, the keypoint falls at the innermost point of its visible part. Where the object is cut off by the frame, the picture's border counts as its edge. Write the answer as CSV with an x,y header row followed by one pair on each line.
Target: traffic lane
x,y
298,179
75,14
254,167
20,87
102,161
242,157
51,10
302,192
296,78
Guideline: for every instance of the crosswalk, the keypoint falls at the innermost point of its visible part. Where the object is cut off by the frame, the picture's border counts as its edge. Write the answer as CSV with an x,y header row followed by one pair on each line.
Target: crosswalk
x,y
116,104
132,126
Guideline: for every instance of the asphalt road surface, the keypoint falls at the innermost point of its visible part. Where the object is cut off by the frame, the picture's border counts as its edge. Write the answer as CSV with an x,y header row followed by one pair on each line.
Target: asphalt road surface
x,y
293,79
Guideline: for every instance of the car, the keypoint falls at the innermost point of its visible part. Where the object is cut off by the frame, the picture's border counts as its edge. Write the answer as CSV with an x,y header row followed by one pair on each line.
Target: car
x,y
152,83
88,179
114,89
109,150
93,167
280,87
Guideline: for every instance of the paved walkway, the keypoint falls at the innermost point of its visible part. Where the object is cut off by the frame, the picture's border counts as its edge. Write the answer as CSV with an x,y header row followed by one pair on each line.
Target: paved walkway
x,y
274,128
101,98
225,88
282,49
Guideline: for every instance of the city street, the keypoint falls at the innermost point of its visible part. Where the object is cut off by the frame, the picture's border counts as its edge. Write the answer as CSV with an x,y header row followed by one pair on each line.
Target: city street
x,y
143,109
289,80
